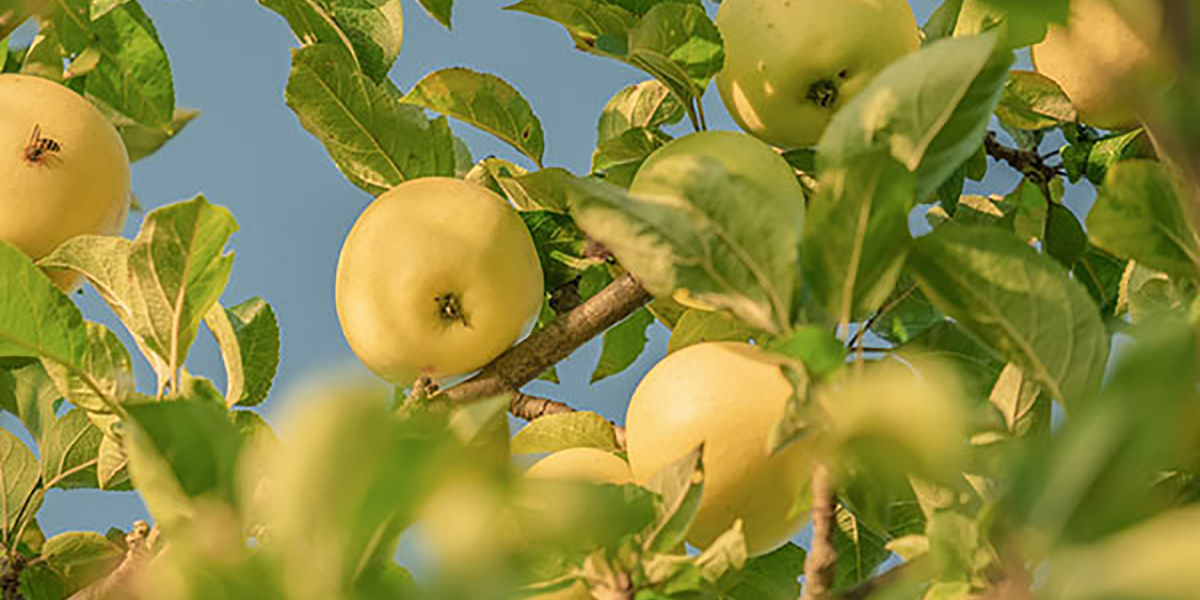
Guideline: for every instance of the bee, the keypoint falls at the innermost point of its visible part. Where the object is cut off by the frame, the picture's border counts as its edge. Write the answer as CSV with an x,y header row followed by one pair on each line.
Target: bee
x,y
41,149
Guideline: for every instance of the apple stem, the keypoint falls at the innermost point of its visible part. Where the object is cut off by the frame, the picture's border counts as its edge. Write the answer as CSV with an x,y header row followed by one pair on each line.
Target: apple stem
x,y
450,309
823,93
820,565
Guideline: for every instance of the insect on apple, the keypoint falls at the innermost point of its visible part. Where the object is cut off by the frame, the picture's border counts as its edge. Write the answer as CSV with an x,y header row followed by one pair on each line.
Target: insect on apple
x,y
41,150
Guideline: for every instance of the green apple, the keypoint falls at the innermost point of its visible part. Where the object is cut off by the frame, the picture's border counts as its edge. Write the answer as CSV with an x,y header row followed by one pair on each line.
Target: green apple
x,y
1106,50
588,465
64,170
791,64
729,396
437,278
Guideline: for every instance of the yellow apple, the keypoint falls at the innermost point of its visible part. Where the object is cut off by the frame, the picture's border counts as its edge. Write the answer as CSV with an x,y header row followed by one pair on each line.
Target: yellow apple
x,y
588,465
437,278
64,170
791,64
729,396
1106,50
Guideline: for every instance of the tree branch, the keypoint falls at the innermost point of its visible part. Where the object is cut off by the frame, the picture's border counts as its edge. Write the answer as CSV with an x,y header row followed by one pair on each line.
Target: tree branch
x,y
530,408
1028,163
821,564
550,345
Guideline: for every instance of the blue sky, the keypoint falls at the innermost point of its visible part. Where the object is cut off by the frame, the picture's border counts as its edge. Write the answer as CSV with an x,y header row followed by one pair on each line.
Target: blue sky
x,y
248,152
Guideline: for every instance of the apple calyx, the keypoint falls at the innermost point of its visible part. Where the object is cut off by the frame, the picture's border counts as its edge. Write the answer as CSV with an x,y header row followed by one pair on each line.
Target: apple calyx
x,y
450,309
823,93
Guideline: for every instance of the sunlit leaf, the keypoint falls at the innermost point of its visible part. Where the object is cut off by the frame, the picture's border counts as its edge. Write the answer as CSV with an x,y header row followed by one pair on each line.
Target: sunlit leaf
x,y
1140,216
552,433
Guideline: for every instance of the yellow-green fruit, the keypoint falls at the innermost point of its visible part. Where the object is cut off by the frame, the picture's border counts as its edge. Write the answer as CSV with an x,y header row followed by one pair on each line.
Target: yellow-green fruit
x,y
729,396
588,465
437,278
64,170
791,64
1105,51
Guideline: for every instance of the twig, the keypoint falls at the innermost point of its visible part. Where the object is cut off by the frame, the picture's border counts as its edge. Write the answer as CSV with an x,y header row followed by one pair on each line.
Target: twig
x,y
888,306
550,345
1028,162
531,408
821,564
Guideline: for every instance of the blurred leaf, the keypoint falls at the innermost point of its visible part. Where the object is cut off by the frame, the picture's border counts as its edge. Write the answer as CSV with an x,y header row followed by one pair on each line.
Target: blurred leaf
x,y
697,326
371,30
1020,303
725,554
439,9
773,576
1107,152
594,25
44,56
1139,216
720,239
856,236
133,75
948,343
68,452
552,433
484,101
1033,101
1101,273
248,335
860,550
80,558
930,110
941,23
1147,293
623,344
819,349
1014,395
112,465
142,141
1064,239
19,478
910,315
645,105
376,141
681,486
1022,22
685,35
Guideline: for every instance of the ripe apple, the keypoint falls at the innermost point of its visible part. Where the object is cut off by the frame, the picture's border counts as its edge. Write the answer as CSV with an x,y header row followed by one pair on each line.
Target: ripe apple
x,y
1106,49
791,64
437,278
589,465
64,170
729,396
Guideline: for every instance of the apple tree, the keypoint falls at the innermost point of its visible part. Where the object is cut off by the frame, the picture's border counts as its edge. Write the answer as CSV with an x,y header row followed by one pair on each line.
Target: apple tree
x,y
883,379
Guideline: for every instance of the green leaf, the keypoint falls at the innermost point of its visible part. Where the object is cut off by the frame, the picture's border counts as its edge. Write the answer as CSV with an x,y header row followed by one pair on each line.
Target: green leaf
x,y
371,30
930,110
44,56
623,344
856,237
681,486
1139,216
1025,20
484,101
645,105
697,326
1020,303
1101,273
112,465
1033,101
439,9
19,479
909,316
69,451
941,23
104,374
685,35
560,246
773,576
627,152
1064,239
821,352
248,335
594,25
722,240
860,550
552,433
81,557
142,141
1146,293
133,75
1107,152
178,451
376,141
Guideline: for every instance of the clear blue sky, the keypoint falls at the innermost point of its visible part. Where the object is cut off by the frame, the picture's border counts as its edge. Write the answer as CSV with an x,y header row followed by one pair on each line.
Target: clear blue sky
x,y
249,153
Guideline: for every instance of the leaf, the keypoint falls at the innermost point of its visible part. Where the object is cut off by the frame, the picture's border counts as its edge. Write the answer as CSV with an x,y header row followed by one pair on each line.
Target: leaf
x,y
1033,101
19,479
552,433
1022,304
376,141
773,576
683,34
645,105
68,452
818,349
859,549
484,101
371,29
930,110
560,246
908,316
103,376
856,237
1106,153
941,23
133,75
248,335
1064,239
142,141
623,344
81,557
681,487
1139,216
721,238
696,326
627,151
112,466
594,25
439,9
1014,395
1101,273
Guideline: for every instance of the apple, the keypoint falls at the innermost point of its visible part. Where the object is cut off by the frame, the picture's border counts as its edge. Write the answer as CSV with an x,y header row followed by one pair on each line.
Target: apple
x,y
588,465
729,396
791,64
64,171
437,278
1106,49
